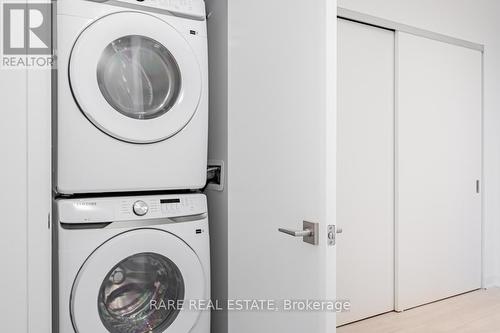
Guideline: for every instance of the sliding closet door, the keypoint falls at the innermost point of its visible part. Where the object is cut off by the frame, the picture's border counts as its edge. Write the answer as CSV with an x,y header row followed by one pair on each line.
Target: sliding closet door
x,y
365,170
438,154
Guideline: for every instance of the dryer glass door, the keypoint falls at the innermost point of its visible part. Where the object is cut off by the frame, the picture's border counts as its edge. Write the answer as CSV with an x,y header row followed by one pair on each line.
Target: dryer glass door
x,y
139,77
136,77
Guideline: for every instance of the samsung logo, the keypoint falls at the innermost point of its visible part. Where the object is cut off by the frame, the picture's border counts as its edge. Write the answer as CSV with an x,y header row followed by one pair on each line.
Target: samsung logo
x,y
85,204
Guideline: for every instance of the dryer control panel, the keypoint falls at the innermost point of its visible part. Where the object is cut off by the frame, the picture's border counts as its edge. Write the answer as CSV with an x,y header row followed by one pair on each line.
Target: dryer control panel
x,y
99,210
189,8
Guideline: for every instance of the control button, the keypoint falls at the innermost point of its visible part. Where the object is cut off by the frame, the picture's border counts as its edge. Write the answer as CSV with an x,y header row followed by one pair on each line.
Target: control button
x,y
140,208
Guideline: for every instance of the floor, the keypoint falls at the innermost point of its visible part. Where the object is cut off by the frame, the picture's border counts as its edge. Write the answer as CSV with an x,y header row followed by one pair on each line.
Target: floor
x,y
476,312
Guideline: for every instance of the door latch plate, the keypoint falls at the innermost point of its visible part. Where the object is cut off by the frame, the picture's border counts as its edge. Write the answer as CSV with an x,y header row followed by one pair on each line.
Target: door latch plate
x,y
331,235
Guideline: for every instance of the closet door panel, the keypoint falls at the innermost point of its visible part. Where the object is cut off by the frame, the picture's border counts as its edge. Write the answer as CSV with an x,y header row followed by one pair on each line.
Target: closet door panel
x,y
438,154
365,170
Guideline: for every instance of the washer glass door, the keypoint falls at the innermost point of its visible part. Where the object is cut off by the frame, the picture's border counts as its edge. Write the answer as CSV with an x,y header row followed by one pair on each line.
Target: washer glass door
x,y
138,281
133,293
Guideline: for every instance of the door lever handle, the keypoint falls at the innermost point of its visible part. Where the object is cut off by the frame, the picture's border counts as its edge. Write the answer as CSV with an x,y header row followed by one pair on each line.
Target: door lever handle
x,y
296,233
309,232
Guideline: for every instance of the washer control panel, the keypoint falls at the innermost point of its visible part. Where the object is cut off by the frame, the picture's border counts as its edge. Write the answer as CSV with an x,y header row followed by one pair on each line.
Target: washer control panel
x,y
130,208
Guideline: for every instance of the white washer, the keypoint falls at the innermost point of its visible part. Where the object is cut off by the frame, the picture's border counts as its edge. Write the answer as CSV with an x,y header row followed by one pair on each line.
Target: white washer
x,y
132,95
126,264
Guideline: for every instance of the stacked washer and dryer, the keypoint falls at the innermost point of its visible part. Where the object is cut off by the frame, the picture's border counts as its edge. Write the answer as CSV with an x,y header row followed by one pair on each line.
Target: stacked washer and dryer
x,y
131,238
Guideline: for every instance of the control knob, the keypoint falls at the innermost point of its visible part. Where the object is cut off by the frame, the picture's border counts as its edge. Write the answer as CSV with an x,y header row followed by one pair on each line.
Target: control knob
x,y
140,208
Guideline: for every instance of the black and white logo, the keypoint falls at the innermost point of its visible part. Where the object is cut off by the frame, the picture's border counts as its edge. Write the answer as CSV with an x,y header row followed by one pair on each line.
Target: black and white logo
x,y
27,35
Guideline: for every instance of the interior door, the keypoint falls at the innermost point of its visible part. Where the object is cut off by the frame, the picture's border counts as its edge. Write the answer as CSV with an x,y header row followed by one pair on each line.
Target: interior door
x,y
365,170
281,162
438,170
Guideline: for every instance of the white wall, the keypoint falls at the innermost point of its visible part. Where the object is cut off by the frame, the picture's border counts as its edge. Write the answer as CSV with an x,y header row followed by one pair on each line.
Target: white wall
x,y
476,21
13,184
25,193
39,201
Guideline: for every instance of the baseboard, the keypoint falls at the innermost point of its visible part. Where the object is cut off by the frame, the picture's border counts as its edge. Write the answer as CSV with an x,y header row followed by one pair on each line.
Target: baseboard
x,y
491,282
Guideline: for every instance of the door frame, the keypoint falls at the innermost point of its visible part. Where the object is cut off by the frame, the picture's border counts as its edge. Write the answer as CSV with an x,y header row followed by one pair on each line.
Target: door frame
x,y
367,19
391,25
332,11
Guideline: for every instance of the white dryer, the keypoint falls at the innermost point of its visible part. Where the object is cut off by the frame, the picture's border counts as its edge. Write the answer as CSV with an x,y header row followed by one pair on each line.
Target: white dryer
x,y
132,264
132,96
